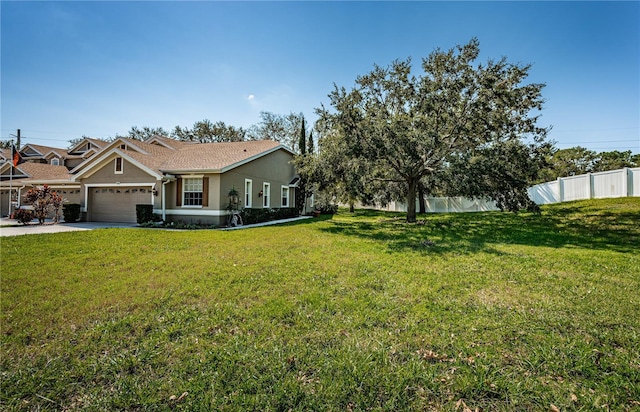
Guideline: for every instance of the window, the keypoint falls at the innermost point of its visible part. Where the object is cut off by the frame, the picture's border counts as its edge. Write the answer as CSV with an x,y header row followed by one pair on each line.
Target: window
x,y
266,190
55,162
192,192
285,196
118,165
247,192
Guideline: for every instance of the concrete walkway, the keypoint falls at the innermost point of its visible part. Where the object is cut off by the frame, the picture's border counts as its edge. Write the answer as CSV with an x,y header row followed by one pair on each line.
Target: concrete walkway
x,y
269,223
10,227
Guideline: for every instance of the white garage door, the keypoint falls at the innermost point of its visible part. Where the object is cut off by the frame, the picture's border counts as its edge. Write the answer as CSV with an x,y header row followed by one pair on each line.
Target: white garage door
x,y
117,204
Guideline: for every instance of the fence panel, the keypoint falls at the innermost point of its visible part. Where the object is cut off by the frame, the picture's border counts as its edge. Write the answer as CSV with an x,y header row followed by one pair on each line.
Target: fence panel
x,y
610,184
575,188
634,181
545,193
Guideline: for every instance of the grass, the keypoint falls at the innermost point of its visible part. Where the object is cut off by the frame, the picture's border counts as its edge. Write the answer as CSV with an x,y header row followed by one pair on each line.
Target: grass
x,y
355,312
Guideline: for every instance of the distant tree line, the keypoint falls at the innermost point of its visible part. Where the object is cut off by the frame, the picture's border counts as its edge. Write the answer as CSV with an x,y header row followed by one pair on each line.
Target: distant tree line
x,y
283,128
578,160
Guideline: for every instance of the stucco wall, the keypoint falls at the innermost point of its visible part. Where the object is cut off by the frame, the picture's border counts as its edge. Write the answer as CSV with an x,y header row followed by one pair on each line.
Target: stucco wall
x,y
275,168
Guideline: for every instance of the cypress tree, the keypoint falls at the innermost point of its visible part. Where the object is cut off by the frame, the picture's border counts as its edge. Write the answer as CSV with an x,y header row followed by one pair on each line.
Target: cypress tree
x,y
310,145
302,143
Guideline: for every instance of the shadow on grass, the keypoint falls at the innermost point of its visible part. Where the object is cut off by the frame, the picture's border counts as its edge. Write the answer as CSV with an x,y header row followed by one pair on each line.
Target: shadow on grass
x,y
574,225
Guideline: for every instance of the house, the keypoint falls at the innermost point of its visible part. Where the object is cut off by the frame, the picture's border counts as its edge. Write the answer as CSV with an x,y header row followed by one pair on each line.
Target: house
x,y
54,156
21,178
182,180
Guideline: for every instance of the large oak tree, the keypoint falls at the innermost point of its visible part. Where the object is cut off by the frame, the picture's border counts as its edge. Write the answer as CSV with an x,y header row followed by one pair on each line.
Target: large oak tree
x,y
413,128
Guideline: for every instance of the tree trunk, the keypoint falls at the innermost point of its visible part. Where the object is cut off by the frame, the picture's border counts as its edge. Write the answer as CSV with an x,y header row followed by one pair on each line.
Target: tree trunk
x,y
421,202
411,200
352,206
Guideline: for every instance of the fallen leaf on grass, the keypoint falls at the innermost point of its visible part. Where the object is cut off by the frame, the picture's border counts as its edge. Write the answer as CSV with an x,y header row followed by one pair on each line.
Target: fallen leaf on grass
x,y
554,408
176,399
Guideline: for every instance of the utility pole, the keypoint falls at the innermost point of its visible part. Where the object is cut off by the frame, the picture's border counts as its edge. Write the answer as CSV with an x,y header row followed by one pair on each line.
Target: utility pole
x,y
18,140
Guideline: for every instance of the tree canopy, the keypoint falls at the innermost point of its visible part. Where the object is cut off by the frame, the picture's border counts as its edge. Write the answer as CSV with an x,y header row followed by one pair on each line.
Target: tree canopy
x,y
413,129
578,160
204,131
282,128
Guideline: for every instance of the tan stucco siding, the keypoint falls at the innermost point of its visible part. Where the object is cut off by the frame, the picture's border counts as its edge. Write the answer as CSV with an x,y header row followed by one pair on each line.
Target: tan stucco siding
x,y
131,174
275,168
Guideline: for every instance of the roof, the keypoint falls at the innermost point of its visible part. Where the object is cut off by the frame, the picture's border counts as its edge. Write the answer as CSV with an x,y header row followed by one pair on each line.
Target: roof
x,y
45,150
161,155
44,171
38,172
95,142
217,156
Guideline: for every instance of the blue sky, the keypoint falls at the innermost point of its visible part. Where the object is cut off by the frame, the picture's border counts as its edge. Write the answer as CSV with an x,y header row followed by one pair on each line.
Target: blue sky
x,y
97,68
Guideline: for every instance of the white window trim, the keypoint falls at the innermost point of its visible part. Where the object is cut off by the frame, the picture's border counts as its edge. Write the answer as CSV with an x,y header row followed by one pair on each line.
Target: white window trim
x,y
266,195
248,196
184,185
115,166
282,189
55,162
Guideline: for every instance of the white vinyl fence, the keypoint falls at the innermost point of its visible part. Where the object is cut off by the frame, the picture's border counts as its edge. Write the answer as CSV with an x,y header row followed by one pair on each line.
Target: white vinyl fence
x,y
441,205
445,205
613,183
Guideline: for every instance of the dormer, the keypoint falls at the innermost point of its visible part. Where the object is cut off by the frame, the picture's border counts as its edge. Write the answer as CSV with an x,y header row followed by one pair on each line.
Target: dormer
x,y
88,145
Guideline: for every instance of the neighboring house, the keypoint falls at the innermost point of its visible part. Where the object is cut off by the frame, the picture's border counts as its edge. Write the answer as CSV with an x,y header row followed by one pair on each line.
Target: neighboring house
x,y
182,180
54,156
30,174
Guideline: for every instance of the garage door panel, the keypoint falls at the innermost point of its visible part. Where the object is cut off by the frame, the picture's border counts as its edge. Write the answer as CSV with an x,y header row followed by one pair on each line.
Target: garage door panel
x,y
117,204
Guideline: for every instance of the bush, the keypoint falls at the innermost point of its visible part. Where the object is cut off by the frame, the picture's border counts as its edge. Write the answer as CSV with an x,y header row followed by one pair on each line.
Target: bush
x,y
144,213
71,212
23,216
44,200
252,216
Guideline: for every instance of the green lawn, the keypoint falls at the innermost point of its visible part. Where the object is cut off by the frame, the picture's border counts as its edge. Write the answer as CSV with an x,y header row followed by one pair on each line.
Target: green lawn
x,y
359,311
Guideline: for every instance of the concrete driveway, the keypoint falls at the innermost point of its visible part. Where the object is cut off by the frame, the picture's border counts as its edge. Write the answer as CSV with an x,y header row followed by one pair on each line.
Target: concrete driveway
x,y
10,227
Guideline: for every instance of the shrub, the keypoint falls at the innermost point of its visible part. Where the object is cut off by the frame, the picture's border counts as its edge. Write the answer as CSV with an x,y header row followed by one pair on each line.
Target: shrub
x,y
23,216
44,200
71,212
252,216
144,213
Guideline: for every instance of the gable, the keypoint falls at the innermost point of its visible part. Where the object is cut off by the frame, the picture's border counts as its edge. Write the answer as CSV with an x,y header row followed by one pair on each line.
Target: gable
x,y
8,171
86,145
276,165
28,151
104,168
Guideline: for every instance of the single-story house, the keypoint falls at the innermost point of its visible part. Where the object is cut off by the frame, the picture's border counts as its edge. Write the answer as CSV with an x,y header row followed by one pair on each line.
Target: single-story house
x,y
182,180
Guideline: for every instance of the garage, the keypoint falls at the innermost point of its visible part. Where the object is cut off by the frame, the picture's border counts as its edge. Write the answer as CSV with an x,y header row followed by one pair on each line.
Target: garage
x,y
117,204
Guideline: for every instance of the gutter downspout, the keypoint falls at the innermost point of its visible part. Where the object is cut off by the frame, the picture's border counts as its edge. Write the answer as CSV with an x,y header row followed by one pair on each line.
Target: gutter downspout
x,y
164,192
19,195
